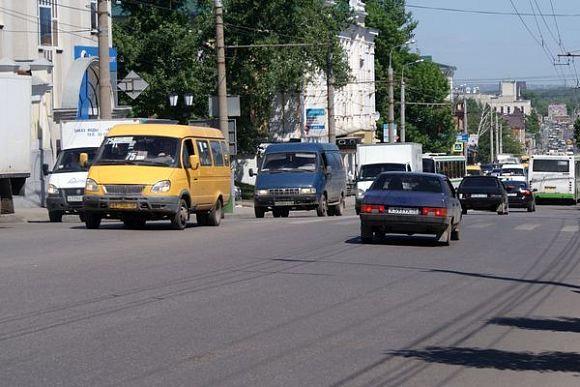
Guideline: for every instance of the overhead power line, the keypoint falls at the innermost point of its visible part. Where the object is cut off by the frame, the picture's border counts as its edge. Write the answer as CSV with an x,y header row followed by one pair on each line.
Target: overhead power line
x,y
484,12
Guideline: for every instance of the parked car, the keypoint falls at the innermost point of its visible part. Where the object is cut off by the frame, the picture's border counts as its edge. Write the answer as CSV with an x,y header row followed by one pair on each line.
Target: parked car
x,y
410,203
520,195
485,193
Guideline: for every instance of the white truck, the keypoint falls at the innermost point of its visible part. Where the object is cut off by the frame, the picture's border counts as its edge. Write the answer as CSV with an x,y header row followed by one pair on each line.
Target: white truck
x,y
15,135
373,159
67,179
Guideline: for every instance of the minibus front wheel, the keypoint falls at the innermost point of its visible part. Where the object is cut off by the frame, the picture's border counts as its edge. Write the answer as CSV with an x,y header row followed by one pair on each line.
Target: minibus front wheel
x,y
180,218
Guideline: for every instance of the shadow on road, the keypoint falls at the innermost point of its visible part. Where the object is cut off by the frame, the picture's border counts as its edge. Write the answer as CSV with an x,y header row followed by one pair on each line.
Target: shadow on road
x,y
496,359
153,226
495,277
398,240
562,324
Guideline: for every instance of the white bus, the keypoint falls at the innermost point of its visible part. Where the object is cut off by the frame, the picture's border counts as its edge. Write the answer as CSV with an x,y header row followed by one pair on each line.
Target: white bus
x,y
555,177
451,166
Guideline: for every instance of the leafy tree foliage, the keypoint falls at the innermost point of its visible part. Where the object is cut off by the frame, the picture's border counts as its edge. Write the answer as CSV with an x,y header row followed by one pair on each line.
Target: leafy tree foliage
x,y
577,130
430,124
161,44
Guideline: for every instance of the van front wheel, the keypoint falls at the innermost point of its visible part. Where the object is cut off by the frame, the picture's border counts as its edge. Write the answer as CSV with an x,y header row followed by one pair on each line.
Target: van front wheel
x,y
92,220
322,209
259,212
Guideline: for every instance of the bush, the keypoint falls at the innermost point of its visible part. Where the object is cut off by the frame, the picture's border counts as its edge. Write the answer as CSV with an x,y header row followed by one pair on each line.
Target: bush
x,y
247,190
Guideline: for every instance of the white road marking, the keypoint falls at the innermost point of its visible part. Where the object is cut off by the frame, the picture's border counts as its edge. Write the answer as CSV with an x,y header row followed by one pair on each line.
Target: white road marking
x,y
335,220
570,228
480,225
309,221
526,227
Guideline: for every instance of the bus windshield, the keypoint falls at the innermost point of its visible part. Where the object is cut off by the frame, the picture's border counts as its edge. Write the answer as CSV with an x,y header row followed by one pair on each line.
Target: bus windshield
x,y
551,166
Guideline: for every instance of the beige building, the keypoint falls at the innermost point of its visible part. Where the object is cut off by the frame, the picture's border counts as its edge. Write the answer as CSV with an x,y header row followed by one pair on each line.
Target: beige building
x,y
56,42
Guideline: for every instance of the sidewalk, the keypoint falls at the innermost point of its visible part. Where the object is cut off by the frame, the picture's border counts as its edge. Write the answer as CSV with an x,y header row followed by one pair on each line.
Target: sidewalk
x,y
40,214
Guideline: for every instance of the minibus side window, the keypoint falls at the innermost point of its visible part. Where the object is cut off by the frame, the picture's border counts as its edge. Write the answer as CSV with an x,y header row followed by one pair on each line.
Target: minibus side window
x,y
216,151
204,155
226,152
187,151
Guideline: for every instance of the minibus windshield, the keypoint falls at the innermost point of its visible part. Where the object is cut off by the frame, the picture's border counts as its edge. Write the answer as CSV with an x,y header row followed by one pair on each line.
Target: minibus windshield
x,y
139,150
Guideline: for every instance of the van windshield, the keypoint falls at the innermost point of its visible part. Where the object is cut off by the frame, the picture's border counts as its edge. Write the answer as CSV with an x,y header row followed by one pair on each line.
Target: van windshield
x,y
139,150
69,160
290,162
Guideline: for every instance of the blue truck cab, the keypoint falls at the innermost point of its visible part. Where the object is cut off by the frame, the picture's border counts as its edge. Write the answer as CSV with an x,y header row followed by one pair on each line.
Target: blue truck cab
x,y
300,176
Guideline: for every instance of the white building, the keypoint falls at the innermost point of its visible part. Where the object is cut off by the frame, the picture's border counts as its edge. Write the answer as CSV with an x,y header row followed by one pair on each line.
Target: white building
x,y
56,42
508,99
306,117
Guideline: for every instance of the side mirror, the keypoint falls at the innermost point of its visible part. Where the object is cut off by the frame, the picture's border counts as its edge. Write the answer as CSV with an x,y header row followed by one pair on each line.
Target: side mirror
x,y
194,161
45,170
83,159
251,172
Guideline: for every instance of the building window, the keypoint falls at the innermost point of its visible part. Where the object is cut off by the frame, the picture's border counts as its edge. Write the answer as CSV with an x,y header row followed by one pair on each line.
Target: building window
x,y
48,22
94,17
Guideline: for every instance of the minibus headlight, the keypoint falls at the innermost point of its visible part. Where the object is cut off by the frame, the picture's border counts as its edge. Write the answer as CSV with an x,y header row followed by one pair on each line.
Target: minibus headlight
x,y
262,192
161,186
52,190
308,190
91,186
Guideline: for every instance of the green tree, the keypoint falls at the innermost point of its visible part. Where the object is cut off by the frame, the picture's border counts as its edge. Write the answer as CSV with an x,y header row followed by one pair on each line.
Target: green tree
x,y
161,44
257,74
509,142
577,130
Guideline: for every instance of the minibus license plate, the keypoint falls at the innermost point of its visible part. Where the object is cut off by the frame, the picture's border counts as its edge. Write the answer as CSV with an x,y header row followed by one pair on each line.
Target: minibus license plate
x,y
74,198
123,205
403,211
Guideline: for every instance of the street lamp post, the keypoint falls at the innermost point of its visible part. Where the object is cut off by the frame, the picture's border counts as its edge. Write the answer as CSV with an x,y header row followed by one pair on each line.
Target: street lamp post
x,y
391,118
403,97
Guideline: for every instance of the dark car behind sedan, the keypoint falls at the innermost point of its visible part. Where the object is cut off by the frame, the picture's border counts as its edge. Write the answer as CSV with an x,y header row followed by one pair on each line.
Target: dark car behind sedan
x,y
486,193
520,195
410,203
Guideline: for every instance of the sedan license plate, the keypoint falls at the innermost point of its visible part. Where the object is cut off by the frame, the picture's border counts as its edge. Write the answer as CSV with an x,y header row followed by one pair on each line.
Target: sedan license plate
x,y
512,195
402,211
284,203
478,195
123,205
74,198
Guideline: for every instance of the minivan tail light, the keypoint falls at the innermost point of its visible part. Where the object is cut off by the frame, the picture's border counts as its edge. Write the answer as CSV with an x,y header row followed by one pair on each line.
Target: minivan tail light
x,y
372,209
434,211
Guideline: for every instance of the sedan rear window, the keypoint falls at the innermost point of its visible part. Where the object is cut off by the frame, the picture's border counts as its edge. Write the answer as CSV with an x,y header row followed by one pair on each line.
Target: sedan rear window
x,y
478,182
406,182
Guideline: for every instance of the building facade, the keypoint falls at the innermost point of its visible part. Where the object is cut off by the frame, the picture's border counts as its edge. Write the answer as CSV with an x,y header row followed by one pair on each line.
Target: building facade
x,y
56,42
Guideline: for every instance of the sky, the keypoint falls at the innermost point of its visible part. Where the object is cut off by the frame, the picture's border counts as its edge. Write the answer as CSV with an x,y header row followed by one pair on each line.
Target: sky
x,y
486,48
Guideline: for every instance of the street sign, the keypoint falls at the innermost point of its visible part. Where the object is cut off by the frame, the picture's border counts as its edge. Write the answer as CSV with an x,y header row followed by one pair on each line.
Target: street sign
x,y
233,106
133,85
462,137
458,147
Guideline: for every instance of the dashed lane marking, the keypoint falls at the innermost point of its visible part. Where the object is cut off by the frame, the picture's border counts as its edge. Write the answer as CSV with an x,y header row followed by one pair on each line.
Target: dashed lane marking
x,y
480,225
526,227
570,228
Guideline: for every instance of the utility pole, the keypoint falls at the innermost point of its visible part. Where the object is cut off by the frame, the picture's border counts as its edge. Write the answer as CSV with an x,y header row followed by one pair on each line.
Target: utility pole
x,y
500,125
403,106
104,66
391,120
497,134
491,139
221,68
330,96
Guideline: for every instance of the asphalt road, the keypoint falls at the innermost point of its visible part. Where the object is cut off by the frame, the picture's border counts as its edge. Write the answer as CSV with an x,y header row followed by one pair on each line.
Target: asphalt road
x,y
291,302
